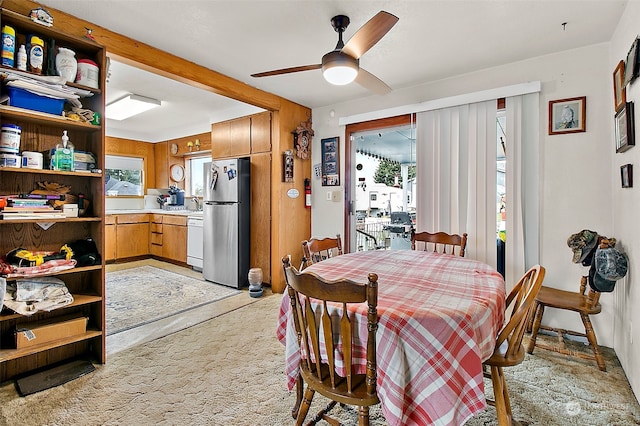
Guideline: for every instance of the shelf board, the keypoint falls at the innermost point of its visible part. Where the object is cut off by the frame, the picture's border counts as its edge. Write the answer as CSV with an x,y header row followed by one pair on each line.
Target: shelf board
x,y
51,220
9,354
48,172
25,23
32,116
78,300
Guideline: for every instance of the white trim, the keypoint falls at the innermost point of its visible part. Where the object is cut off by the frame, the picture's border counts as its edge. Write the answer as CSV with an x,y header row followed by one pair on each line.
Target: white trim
x,y
467,98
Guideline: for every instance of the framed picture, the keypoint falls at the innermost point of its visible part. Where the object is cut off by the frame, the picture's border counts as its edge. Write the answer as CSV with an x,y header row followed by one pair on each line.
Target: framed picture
x,y
568,115
287,166
624,128
626,176
619,90
330,165
631,67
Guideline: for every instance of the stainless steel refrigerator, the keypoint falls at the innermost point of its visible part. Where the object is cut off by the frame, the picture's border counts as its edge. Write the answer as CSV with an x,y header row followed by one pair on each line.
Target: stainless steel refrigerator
x,y
226,226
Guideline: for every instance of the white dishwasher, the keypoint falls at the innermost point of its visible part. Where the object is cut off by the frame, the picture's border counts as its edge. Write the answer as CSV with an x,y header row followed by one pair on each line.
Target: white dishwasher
x,y
194,242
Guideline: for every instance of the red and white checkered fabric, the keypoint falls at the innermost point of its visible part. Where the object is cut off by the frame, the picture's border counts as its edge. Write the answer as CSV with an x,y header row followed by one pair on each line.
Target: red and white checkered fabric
x,y
439,316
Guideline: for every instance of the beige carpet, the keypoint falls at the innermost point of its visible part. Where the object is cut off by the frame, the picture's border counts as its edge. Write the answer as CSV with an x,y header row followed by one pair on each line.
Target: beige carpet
x,y
229,371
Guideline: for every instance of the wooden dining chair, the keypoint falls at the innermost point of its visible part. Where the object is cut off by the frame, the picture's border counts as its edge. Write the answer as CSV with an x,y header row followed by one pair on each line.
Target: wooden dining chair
x,y
316,250
509,350
585,303
322,329
440,242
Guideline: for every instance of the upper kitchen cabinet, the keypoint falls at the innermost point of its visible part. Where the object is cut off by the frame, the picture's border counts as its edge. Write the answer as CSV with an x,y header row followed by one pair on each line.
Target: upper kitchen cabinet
x,y
241,136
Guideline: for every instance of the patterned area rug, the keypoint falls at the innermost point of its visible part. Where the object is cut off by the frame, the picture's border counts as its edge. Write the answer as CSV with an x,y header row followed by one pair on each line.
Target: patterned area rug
x,y
144,294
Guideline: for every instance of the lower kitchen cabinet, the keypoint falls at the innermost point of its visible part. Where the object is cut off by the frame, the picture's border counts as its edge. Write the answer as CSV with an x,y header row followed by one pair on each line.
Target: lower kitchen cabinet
x,y
127,237
169,237
110,238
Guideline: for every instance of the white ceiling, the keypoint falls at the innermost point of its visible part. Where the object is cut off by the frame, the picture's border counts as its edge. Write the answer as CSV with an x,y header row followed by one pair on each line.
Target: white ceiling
x,y
433,39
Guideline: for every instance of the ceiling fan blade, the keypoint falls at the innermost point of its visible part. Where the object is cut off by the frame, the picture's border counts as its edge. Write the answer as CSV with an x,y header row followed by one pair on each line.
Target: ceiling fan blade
x,y
369,34
371,82
288,70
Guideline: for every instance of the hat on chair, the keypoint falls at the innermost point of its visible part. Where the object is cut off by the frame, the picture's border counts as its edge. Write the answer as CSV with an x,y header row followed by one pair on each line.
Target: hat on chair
x,y
610,266
582,243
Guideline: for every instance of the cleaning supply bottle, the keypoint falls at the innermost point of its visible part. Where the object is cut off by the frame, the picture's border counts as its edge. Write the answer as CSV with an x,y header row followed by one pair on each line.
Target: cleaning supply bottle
x,y
36,54
63,156
21,58
8,45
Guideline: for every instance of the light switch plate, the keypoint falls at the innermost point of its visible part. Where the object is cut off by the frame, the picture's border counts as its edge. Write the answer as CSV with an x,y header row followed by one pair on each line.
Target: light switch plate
x,y
336,196
329,196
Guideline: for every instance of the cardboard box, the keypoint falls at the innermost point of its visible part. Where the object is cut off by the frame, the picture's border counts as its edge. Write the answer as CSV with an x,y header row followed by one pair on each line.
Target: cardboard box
x,y
38,333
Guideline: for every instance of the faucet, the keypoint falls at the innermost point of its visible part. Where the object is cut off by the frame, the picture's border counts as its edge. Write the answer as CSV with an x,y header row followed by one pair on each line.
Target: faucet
x,y
196,200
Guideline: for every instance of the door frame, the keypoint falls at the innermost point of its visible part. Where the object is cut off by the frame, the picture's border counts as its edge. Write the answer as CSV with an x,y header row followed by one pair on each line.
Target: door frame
x,y
349,172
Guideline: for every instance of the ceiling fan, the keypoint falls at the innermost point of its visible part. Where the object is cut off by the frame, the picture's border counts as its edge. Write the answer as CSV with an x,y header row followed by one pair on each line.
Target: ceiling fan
x,y
342,65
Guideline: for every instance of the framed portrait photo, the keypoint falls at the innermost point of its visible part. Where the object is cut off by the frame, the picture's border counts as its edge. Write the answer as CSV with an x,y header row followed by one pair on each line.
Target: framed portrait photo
x,y
626,176
624,128
330,166
631,66
568,115
619,90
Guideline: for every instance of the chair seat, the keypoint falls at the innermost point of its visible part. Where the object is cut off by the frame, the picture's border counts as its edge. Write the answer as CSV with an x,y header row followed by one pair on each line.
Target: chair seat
x,y
501,357
569,300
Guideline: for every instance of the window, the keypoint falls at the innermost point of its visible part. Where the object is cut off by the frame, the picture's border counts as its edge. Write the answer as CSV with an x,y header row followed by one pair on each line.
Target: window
x,y
195,175
124,176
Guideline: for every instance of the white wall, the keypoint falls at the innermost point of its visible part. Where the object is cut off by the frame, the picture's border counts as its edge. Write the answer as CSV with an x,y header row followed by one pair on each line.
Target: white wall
x,y
624,213
579,177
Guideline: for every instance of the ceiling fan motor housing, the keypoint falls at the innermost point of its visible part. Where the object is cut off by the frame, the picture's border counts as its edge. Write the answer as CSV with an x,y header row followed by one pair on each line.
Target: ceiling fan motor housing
x,y
339,62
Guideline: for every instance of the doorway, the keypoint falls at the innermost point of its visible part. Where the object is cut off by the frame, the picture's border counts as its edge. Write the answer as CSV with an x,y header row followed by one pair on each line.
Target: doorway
x,y
379,169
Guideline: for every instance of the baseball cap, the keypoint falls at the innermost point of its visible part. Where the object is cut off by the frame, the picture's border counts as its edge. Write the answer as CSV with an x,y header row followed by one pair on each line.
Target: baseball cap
x,y
610,266
582,243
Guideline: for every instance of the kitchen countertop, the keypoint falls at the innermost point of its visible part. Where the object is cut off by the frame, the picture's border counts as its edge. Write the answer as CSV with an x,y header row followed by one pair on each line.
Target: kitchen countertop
x,y
156,211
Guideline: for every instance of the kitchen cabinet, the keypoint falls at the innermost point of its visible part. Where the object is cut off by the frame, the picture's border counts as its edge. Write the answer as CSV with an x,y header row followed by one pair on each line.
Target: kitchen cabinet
x,y
261,132
168,237
132,235
241,136
41,132
110,238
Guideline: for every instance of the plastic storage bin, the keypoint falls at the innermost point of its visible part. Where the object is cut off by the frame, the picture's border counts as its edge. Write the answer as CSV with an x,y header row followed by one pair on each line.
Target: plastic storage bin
x,y
24,99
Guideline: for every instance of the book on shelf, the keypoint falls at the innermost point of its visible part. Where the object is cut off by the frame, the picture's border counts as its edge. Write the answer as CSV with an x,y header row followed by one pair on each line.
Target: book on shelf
x,y
54,214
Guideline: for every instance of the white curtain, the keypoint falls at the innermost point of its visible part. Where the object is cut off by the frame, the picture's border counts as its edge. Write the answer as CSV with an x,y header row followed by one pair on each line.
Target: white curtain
x,y
522,185
456,175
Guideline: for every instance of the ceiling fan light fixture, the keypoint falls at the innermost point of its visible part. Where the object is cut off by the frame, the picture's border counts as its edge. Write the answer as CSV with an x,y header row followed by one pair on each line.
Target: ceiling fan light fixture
x,y
339,68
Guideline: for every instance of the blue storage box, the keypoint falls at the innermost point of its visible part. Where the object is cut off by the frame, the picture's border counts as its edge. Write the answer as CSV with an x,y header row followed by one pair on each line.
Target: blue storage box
x,y
24,99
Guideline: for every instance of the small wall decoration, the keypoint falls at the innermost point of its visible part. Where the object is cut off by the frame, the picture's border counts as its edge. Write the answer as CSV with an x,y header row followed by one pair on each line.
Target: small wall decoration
x,y
631,67
302,139
619,90
330,166
626,176
287,166
625,137
568,115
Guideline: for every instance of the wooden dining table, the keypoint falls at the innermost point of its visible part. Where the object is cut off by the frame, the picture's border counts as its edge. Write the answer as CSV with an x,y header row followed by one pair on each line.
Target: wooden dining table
x,y
439,316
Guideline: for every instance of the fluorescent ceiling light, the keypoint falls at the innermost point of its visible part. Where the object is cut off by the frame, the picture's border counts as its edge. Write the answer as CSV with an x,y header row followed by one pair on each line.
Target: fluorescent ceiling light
x,y
339,68
129,106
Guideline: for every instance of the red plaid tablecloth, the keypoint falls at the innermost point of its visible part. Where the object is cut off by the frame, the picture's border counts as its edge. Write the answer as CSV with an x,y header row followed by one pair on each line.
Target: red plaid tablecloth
x,y
439,316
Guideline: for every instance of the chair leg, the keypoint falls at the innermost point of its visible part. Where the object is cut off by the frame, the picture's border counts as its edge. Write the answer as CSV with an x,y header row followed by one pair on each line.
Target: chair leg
x,y
502,403
304,408
591,336
537,319
363,416
299,394
530,316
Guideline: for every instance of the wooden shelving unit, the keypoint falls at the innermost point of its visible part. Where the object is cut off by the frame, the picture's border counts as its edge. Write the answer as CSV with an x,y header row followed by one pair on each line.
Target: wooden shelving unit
x,y
41,132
